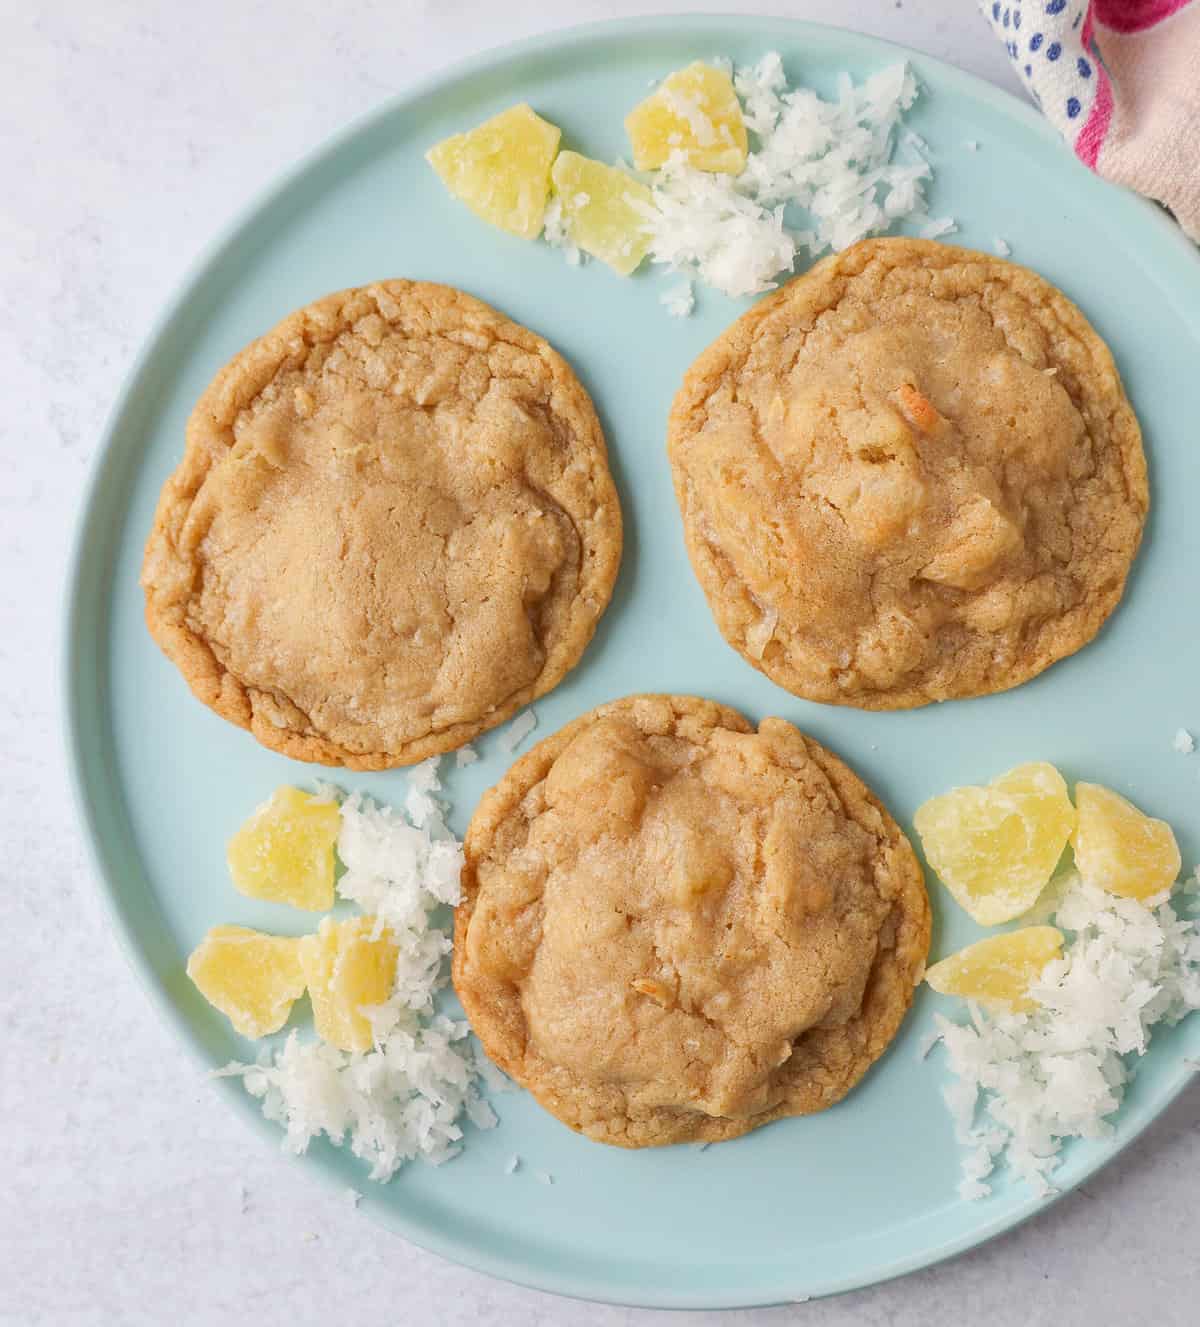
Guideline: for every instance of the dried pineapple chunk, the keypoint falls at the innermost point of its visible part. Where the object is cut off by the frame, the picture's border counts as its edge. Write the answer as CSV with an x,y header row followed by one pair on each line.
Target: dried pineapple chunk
x,y
252,978
995,848
599,212
501,169
1000,969
284,852
1120,848
695,111
346,969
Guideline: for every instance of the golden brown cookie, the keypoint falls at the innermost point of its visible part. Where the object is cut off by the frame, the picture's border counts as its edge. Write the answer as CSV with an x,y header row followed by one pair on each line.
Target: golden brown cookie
x,y
674,927
909,475
393,526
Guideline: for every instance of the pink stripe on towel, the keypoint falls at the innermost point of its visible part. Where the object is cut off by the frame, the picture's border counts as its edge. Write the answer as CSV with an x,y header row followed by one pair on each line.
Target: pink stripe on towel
x,y
1092,135
1090,138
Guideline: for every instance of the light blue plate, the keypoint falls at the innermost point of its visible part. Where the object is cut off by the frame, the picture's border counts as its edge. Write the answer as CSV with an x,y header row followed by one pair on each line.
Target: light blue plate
x,y
808,1207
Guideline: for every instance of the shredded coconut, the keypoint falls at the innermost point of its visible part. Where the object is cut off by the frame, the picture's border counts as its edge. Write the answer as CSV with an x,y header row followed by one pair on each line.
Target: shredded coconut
x,y
494,1080
1024,1083
830,159
1002,246
402,1099
512,1164
702,225
935,227
679,301
554,232
1184,742
518,730
972,145
464,756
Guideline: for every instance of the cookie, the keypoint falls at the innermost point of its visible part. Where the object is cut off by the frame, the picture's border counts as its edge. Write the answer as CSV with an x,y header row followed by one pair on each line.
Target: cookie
x,y
393,526
674,927
909,475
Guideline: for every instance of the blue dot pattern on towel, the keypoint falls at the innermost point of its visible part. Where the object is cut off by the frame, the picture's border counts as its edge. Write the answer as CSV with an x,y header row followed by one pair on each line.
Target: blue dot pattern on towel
x,y
1051,56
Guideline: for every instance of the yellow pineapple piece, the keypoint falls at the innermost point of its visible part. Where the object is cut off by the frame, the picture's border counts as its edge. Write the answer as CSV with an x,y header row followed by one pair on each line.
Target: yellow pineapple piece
x,y
252,978
284,852
501,169
599,212
345,969
695,111
995,848
1120,848
1000,969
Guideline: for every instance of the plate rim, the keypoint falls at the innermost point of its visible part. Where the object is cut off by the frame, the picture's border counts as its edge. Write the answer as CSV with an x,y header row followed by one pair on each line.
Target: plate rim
x,y
79,762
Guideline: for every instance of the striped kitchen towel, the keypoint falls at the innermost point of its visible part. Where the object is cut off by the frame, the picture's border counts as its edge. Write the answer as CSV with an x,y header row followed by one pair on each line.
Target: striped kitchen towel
x,y
1120,80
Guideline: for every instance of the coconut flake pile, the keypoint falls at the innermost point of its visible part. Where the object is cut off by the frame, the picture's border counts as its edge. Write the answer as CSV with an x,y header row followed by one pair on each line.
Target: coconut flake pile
x,y
402,1099
832,159
1027,1082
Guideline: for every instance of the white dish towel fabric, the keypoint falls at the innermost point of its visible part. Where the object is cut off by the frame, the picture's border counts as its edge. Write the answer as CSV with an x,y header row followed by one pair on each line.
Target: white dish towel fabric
x,y
1120,80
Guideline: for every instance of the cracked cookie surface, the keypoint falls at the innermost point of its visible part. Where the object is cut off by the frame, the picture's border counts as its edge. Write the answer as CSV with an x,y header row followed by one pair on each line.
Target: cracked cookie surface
x,y
910,475
674,927
393,526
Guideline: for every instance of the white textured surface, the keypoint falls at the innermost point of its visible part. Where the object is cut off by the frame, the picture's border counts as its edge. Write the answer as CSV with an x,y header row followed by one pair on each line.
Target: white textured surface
x,y
129,134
